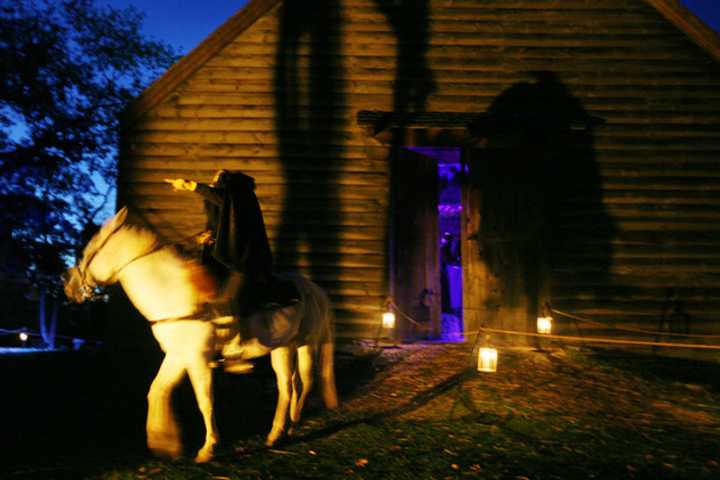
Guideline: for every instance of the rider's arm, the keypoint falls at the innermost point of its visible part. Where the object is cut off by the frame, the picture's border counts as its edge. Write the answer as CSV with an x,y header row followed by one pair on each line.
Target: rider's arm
x,y
212,195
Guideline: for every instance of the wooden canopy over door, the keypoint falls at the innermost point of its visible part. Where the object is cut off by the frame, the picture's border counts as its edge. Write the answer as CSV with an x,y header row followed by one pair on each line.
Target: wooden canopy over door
x,y
415,264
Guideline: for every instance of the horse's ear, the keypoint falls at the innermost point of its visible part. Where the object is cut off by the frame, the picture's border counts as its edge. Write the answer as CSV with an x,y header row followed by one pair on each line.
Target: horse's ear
x,y
114,222
120,216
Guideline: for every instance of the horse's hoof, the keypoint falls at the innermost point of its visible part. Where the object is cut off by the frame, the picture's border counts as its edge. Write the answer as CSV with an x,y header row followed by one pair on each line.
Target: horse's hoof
x,y
204,456
272,439
165,446
165,453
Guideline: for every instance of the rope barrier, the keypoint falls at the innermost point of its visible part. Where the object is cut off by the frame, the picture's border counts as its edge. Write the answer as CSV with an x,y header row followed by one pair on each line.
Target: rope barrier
x,y
612,341
5,331
597,339
635,330
397,309
17,331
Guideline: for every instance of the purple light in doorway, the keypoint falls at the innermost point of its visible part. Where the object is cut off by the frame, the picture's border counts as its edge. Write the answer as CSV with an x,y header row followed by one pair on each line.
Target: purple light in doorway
x,y
449,209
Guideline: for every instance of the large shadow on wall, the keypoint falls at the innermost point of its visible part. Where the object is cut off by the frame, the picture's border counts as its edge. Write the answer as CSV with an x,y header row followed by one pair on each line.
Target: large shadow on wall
x,y
412,85
309,101
544,232
413,78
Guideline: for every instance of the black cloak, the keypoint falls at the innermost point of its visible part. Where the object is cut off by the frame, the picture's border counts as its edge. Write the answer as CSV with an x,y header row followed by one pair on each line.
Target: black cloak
x,y
236,222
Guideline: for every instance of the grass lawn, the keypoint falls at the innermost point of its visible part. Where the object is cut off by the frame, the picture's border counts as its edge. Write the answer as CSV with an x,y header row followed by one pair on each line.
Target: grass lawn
x,y
408,412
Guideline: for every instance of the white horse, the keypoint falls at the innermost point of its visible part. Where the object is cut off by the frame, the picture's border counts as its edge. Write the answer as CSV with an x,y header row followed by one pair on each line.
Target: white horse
x,y
169,290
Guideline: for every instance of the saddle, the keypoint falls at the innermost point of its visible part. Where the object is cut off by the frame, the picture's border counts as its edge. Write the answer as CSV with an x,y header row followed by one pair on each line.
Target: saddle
x,y
273,320
274,325
276,318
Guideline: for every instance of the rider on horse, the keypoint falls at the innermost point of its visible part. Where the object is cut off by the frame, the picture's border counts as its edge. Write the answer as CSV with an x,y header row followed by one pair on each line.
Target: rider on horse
x,y
235,246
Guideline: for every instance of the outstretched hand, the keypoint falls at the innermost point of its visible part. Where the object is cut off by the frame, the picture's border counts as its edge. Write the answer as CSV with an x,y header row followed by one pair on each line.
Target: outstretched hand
x,y
181,184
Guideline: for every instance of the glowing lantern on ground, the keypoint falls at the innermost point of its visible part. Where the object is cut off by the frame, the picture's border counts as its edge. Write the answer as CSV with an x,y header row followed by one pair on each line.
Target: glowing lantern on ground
x,y
388,320
487,359
388,317
544,325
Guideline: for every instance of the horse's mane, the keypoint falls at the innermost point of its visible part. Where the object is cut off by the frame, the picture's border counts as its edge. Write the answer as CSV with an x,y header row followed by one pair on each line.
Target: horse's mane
x,y
145,240
141,239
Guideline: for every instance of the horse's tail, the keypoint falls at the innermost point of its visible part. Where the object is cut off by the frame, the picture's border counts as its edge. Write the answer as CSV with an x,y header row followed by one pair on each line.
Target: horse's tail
x,y
317,305
327,375
326,360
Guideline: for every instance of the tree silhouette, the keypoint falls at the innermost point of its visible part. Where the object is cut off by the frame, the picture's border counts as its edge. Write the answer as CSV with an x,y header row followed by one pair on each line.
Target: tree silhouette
x,y
68,69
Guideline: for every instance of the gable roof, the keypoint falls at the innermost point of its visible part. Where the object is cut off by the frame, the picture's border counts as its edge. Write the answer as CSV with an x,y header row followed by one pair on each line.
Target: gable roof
x,y
198,56
672,10
691,25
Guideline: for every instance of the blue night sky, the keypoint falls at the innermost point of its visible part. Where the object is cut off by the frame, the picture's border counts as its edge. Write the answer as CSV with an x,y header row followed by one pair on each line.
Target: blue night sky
x,y
181,23
186,23
707,10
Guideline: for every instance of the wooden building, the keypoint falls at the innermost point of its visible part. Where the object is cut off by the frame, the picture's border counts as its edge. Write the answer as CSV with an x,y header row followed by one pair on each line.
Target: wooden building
x,y
584,136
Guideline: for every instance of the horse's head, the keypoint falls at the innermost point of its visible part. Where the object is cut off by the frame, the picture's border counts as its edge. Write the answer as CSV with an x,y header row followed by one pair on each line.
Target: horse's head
x,y
159,281
94,269
76,288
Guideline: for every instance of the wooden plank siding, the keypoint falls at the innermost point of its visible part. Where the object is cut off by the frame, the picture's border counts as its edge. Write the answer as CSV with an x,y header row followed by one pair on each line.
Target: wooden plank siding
x,y
658,154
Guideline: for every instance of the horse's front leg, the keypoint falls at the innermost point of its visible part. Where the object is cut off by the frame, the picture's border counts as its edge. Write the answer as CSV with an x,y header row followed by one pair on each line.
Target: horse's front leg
x,y
163,433
282,362
198,367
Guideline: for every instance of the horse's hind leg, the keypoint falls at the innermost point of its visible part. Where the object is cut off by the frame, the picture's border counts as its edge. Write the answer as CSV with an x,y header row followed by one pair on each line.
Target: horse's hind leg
x,y
198,368
305,372
282,363
163,433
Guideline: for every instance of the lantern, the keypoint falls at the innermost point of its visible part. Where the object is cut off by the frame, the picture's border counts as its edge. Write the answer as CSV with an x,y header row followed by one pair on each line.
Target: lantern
x,y
487,359
388,320
544,325
388,317
487,356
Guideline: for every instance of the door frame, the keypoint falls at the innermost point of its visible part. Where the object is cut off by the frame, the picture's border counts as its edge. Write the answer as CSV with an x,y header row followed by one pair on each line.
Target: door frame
x,y
387,132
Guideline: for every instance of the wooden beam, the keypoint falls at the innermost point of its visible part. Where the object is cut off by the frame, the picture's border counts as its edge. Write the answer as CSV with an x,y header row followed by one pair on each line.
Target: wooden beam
x,y
691,25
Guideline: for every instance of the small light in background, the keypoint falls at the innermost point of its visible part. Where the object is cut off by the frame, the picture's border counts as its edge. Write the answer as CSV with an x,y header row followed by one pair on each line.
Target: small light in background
x,y
388,317
544,325
24,337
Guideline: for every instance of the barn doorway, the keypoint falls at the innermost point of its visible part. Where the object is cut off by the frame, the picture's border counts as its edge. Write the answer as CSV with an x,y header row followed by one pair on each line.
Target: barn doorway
x,y
427,254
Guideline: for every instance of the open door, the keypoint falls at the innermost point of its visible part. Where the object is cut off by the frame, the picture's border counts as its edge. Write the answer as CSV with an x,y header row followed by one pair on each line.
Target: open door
x,y
415,267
